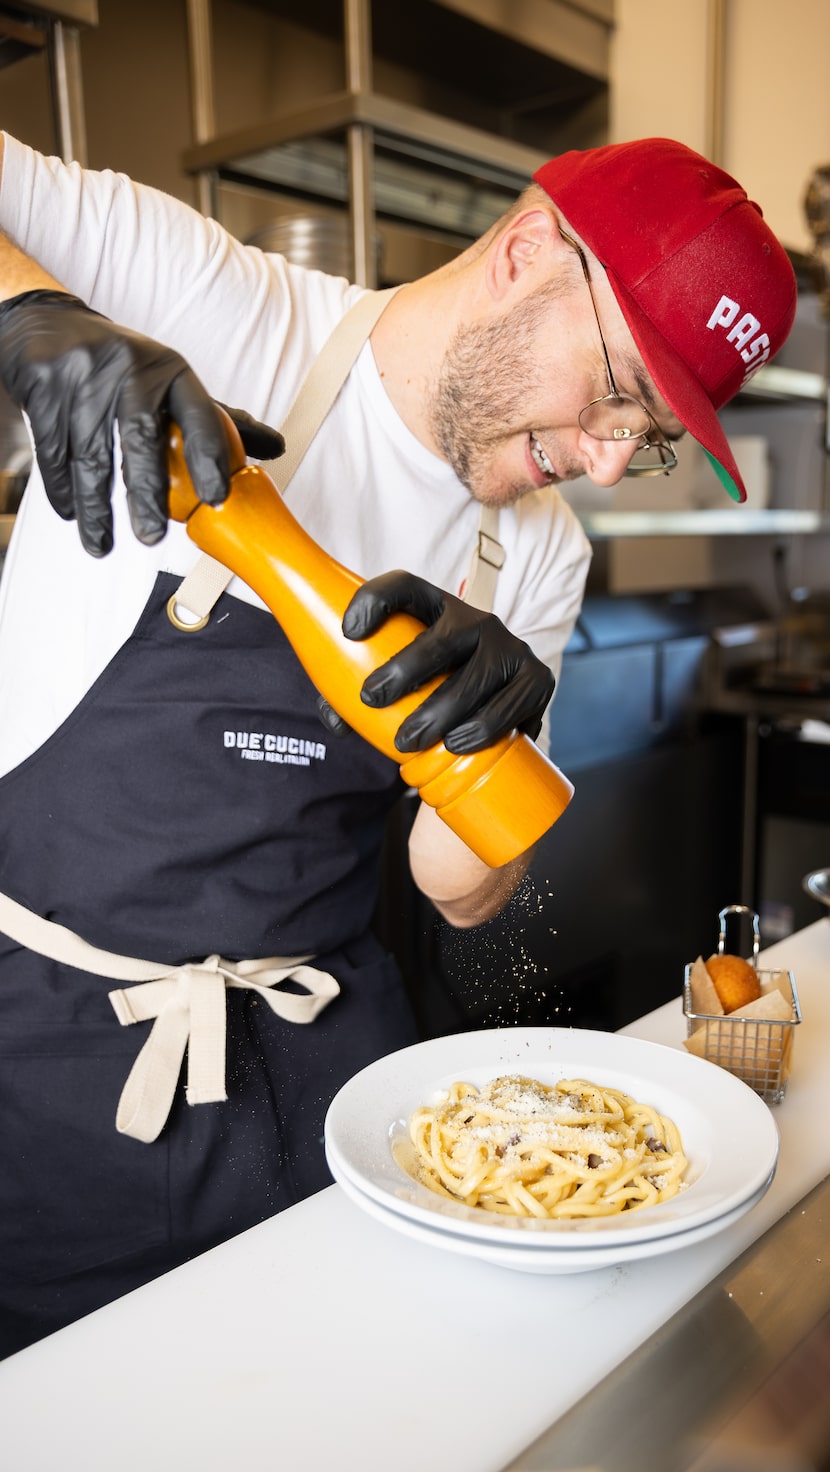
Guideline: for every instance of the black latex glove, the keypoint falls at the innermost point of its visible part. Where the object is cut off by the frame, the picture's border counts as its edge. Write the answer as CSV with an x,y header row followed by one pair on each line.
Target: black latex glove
x,y
496,682
75,374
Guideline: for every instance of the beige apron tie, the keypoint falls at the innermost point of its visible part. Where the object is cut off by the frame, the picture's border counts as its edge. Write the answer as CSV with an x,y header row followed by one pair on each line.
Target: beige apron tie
x,y
198,593
196,596
187,1004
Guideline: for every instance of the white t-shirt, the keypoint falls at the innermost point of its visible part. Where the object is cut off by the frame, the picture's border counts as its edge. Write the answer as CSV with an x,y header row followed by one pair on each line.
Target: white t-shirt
x,y
249,324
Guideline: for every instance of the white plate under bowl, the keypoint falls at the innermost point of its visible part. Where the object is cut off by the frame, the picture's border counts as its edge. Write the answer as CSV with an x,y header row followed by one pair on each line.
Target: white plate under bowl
x,y
542,1260
728,1132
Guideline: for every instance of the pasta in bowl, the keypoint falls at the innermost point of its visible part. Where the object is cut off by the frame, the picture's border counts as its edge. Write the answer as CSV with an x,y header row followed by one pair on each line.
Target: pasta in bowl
x,y
727,1135
564,1151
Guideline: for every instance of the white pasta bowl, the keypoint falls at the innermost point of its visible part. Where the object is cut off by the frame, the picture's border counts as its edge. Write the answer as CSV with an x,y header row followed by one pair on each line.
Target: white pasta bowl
x,y
728,1133
535,1257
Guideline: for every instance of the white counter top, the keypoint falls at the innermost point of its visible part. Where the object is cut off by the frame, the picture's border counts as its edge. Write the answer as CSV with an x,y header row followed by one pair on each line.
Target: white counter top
x,y
323,1340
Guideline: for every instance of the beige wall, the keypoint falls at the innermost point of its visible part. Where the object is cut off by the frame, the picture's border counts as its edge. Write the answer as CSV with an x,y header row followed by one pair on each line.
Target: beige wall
x,y
659,68
747,83
770,120
777,112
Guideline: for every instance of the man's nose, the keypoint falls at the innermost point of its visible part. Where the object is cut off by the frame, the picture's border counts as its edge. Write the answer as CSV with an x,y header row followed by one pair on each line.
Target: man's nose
x,y
606,461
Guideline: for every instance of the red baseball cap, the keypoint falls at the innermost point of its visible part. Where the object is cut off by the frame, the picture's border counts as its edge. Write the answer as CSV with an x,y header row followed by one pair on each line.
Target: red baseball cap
x,y
706,289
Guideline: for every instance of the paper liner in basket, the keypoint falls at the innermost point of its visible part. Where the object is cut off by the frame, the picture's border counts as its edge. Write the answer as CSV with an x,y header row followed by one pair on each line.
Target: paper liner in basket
x,y
767,1049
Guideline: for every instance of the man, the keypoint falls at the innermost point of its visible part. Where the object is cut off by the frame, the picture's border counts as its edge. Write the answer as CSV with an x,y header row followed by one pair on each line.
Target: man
x,y
627,294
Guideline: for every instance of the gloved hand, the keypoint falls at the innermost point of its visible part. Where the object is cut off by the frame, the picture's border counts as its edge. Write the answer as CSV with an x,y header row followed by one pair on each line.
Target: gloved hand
x,y
75,374
496,682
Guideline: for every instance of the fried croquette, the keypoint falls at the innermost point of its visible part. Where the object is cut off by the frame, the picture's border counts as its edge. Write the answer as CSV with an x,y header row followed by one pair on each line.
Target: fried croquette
x,y
734,980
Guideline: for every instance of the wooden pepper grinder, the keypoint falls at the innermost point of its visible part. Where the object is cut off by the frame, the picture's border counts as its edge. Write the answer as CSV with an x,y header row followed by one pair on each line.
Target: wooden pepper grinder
x,y
499,801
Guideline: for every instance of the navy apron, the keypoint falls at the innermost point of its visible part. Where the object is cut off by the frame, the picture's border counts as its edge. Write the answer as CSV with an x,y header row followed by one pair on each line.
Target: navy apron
x,y
192,803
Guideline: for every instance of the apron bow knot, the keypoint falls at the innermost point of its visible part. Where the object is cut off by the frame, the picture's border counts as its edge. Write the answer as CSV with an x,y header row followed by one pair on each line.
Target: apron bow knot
x,y
187,1006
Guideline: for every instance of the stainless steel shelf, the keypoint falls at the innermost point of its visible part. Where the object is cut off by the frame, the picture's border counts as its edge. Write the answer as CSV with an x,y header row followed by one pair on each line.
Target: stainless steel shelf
x,y
779,382
737,522
608,525
529,70
427,169
52,27
73,12
456,145
19,38
576,32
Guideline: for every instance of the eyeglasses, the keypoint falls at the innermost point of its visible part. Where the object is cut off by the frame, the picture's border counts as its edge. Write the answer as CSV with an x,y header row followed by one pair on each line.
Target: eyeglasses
x,y
617,416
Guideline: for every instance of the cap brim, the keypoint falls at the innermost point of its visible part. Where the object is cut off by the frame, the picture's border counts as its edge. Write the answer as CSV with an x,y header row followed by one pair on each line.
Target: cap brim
x,y
681,391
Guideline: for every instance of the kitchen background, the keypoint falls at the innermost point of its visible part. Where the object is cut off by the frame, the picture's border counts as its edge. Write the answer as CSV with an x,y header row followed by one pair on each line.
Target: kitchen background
x,y
375,140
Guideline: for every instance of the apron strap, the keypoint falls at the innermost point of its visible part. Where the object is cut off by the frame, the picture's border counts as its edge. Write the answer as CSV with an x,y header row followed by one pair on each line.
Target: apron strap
x,y
190,607
324,380
486,563
187,1005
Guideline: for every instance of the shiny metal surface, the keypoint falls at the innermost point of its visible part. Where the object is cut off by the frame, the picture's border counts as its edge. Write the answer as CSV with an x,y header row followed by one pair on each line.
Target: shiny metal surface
x,y
736,522
202,99
574,31
321,242
67,87
75,12
357,28
423,134
737,1380
817,884
54,29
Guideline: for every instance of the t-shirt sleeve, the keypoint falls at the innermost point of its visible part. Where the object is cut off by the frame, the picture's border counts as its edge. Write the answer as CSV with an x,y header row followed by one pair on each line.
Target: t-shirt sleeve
x,y
153,264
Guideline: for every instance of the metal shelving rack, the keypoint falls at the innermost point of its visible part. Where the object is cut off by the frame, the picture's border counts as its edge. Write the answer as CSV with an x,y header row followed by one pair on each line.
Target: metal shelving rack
x,y
53,27
383,158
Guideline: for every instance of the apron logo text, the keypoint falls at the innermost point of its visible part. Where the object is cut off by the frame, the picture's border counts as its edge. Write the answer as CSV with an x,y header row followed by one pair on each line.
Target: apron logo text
x,y
263,746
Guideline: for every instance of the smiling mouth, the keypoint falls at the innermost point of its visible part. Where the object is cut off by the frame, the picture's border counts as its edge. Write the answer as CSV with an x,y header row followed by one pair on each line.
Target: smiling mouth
x,y
540,458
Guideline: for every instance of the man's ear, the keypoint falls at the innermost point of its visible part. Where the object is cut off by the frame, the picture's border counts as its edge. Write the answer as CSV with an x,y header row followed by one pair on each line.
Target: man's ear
x,y
527,243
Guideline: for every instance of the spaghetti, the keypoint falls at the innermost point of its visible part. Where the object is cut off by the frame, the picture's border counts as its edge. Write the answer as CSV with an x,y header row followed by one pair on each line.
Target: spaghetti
x,y
524,1148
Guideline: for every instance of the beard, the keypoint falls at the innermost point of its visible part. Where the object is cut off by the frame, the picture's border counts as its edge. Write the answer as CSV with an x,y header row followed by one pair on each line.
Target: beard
x,y
488,376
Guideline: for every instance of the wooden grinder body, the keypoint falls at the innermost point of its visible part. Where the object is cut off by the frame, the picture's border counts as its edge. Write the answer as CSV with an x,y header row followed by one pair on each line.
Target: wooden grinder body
x,y
499,801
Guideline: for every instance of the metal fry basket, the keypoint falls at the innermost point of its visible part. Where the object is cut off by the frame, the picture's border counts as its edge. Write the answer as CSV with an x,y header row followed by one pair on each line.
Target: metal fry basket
x,y
756,1049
